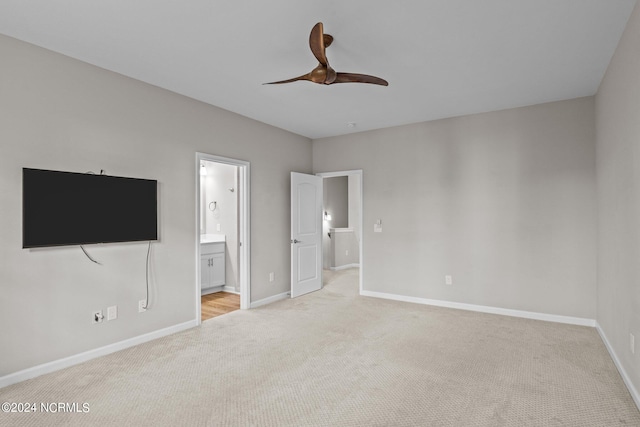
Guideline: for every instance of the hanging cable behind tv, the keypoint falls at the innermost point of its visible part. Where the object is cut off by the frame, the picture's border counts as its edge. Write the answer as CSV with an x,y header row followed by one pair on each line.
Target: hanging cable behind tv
x,y
146,301
88,256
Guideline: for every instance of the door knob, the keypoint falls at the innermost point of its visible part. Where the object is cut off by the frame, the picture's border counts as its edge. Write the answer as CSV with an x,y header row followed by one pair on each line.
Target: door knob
x,y
296,241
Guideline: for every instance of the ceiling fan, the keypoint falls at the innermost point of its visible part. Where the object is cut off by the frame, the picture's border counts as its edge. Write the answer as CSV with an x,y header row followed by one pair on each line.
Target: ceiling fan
x,y
323,73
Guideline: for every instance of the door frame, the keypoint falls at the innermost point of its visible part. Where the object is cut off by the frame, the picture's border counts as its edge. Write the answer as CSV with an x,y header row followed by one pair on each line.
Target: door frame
x,y
361,219
244,227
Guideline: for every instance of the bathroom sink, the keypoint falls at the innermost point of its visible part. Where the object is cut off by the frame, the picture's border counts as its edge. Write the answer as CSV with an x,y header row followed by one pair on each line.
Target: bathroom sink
x,y
212,238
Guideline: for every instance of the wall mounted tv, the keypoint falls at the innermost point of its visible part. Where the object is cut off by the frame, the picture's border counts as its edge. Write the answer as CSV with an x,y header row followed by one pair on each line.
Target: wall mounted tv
x,y
67,208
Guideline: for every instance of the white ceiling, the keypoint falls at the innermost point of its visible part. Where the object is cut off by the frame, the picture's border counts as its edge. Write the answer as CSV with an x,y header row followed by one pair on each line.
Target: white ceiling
x,y
442,58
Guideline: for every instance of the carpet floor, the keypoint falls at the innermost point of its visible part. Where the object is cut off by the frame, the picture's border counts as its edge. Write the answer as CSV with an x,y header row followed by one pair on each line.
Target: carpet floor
x,y
334,358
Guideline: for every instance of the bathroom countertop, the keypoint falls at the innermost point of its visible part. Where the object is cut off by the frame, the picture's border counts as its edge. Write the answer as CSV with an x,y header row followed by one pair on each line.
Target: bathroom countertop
x,y
212,238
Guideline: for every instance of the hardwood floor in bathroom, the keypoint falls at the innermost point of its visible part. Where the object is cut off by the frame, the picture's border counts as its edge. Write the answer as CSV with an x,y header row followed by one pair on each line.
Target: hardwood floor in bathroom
x,y
218,304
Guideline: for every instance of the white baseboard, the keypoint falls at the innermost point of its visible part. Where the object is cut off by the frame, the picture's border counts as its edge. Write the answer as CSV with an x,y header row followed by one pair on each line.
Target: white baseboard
x,y
225,288
56,365
485,309
269,300
625,377
212,290
344,267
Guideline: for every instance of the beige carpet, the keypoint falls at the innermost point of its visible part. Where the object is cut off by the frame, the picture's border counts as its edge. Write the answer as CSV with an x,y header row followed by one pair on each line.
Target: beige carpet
x,y
333,358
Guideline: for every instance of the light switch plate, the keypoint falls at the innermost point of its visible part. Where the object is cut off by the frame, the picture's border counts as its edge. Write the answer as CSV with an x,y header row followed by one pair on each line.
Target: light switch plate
x,y
377,228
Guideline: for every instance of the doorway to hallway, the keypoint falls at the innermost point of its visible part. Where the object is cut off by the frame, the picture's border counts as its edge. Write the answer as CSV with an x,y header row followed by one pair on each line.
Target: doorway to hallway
x,y
342,222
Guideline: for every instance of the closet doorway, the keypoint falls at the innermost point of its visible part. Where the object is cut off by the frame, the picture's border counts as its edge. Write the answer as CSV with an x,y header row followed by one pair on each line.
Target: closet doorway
x,y
222,235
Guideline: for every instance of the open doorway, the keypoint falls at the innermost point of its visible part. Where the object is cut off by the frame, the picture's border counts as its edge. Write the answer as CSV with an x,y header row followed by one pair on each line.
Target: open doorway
x,y
342,222
222,238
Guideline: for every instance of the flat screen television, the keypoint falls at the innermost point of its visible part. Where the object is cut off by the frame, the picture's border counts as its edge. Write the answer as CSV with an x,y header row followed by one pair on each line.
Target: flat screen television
x,y
68,208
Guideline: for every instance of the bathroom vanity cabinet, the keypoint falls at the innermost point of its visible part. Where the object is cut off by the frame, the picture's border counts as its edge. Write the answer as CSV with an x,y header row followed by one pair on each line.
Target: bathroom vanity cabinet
x,y
212,265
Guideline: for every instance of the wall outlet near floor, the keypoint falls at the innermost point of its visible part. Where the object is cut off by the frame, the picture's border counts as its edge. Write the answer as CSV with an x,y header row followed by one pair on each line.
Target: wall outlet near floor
x,y
217,227
112,312
347,252
272,276
142,306
448,280
632,343
98,317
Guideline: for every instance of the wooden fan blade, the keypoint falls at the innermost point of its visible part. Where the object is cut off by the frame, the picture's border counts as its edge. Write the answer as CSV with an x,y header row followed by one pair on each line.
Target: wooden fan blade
x,y
295,79
359,78
316,43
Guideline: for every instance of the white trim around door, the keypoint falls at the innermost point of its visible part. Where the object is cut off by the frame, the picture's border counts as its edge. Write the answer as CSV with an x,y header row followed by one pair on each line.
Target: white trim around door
x,y
244,237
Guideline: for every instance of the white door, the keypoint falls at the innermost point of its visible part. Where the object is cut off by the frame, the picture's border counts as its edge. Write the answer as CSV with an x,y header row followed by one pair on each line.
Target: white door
x,y
306,233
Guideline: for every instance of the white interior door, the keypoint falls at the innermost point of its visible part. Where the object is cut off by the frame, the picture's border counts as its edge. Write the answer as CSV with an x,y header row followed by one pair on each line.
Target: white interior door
x,y
306,233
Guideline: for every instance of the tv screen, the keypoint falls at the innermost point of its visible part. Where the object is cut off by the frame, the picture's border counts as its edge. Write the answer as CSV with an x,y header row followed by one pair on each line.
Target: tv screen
x,y
67,208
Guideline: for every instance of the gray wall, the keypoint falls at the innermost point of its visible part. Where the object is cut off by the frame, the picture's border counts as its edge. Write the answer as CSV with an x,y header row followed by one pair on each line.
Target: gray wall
x,y
504,202
336,200
618,163
344,247
58,113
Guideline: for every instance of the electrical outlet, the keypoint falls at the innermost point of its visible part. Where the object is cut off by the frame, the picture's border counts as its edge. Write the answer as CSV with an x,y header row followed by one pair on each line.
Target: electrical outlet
x,y
632,343
347,252
98,317
448,280
112,312
217,227
142,306
272,276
